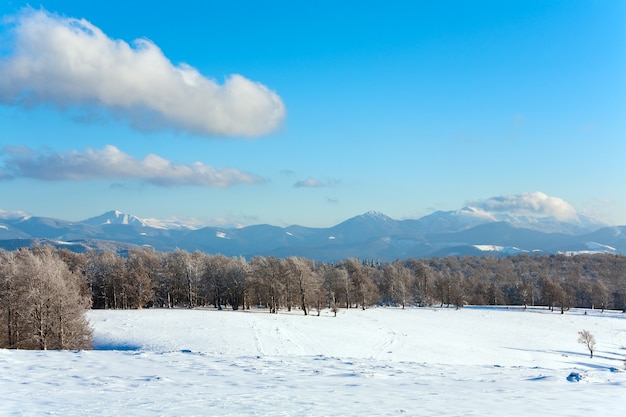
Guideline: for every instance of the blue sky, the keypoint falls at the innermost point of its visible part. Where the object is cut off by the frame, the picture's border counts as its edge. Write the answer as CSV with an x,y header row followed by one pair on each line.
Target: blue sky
x,y
293,113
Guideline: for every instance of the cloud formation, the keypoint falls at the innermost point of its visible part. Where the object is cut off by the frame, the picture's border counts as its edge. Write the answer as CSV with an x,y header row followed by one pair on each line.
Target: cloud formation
x,y
313,183
111,163
536,203
71,63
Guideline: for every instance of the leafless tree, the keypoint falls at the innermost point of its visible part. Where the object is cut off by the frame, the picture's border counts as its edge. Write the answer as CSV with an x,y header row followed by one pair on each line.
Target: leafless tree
x,y
586,338
237,272
215,280
182,278
266,278
43,302
362,285
599,295
397,281
105,273
423,286
303,276
137,287
10,295
334,282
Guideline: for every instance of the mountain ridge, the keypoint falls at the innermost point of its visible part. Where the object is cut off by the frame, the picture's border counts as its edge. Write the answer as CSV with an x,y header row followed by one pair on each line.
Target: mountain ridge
x,y
370,235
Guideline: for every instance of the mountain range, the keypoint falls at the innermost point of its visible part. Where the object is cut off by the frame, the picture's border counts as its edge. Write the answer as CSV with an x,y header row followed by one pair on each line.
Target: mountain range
x,y
373,235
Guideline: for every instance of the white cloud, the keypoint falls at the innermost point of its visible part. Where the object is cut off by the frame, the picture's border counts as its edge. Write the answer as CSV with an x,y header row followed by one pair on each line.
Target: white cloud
x,y
12,214
313,183
536,203
111,163
70,62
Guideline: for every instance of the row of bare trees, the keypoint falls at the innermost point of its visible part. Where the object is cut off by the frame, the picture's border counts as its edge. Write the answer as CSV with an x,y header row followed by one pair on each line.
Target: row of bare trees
x,y
146,278
556,281
44,292
42,302
149,278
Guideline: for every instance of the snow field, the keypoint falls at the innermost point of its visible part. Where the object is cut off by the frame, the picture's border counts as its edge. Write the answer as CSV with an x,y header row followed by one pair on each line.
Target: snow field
x,y
381,361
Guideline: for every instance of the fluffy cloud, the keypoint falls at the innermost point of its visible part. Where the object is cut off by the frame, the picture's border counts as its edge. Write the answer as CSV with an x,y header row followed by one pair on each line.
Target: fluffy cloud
x,y
536,203
70,62
313,183
111,163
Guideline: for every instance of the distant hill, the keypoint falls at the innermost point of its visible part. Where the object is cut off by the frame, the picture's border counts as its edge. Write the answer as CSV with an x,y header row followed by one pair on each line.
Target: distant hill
x,y
373,235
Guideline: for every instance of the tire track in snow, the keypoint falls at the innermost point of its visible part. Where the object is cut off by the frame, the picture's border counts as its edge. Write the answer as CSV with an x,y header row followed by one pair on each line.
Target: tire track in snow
x,y
256,335
389,340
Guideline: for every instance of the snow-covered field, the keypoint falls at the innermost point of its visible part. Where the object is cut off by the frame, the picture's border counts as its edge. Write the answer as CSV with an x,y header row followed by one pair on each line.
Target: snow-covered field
x,y
382,361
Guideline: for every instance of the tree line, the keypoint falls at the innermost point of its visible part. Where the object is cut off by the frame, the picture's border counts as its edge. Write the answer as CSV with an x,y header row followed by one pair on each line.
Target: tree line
x,y
44,291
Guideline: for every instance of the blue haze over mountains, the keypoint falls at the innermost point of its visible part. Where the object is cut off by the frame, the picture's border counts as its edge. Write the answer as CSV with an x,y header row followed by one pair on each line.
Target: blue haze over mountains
x,y
372,235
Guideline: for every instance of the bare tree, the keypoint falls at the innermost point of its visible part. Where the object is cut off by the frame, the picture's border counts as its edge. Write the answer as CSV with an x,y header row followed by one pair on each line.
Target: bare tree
x,y
43,302
182,276
152,267
137,286
266,278
333,285
397,281
423,286
362,285
457,290
599,295
237,273
215,280
305,281
10,295
586,338
443,287
105,274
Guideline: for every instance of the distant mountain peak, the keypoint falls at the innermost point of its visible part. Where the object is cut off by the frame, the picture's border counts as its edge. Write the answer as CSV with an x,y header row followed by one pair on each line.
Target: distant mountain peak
x,y
456,220
115,217
173,223
376,215
118,217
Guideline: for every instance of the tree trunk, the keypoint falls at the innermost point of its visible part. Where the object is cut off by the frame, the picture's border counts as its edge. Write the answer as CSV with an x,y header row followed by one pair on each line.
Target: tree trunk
x,y
189,292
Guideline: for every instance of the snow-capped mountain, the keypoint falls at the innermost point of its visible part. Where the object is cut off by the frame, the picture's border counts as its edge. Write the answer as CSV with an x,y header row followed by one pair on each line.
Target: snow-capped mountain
x,y
468,217
174,223
456,220
115,217
468,231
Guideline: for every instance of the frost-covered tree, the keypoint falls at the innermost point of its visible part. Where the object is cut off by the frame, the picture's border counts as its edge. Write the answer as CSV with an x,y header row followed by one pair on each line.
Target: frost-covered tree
x,y
423,285
336,285
10,295
137,287
599,296
215,280
105,274
267,280
182,277
42,302
586,338
236,277
306,282
396,284
365,292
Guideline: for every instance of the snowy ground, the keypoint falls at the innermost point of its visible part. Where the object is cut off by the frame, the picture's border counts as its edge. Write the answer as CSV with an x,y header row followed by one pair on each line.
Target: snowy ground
x,y
378,362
